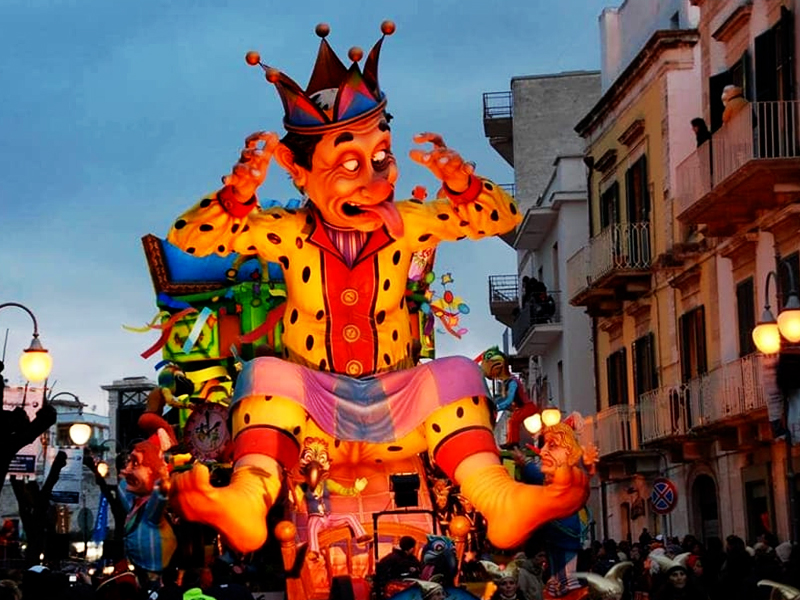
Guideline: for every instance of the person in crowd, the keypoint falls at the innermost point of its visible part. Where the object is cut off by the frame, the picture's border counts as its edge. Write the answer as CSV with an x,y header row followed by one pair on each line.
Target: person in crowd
x,y
735,574
645,538
529,575
400,563
733,100
679,586
225,586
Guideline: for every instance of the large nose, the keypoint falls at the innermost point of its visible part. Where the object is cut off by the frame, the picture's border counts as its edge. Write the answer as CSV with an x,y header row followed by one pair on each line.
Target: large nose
x,y
380,185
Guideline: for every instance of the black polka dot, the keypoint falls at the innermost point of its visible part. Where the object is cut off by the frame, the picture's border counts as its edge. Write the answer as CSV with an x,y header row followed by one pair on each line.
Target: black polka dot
x,y
402,302
443,217
394,335
488,186
460,412
299,242
234,228
320,314
386,285
180,224
323,365
396,257
394,448
245,228
268,398
296,430
436,428
379,318
293,317
463,223
284,260
291,211
306,274
461,237
481,232
251,248
206,227
205,203
513,208
378,460
476,400
274,238
190,250
337,443
220,248
309,342
494,216
424,237
416,200
478,207
246,418
276,216
387,359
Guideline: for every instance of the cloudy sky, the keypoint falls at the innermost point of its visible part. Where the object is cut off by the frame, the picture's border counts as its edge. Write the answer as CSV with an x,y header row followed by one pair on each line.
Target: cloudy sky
x,y
117,116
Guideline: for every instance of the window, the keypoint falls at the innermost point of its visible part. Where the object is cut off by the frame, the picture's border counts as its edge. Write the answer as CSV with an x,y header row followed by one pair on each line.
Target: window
x,y
636,193
645,371
774,51
617,370
693,344
746,316
609,206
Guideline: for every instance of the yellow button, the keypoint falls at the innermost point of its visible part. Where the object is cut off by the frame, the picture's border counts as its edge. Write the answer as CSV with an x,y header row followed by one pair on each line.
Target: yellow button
x,y
349,297
354,368
351,333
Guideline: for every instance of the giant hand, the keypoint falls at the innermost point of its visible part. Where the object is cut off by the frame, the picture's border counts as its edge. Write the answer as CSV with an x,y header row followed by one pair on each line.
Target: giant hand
x,y
445,163
251,170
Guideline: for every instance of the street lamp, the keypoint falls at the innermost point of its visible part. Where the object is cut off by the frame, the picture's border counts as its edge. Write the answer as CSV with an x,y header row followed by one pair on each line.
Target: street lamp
x,y
35,362
768,337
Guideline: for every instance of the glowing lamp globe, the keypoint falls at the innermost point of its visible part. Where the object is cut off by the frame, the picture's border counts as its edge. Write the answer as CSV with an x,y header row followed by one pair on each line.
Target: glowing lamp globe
x,y
551,416
533,424
102,468
80,433
789,320
767,337
35,362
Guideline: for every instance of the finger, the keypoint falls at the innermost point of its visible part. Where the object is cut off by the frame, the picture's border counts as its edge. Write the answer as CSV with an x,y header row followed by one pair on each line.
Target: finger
x,y
260,136
422,157
434,138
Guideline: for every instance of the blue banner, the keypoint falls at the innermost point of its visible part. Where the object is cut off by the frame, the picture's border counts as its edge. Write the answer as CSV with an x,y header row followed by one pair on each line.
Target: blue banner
x,y
101,523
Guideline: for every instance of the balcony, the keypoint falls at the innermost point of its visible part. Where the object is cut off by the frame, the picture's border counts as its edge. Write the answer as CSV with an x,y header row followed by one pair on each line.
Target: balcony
x,y
725,397
751,164
504,297
615,430
498,123
615,266
537,326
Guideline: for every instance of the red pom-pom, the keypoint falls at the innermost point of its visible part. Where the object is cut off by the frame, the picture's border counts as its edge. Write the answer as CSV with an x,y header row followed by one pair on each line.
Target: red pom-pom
x,y
388,27
322,30
355,54
252,58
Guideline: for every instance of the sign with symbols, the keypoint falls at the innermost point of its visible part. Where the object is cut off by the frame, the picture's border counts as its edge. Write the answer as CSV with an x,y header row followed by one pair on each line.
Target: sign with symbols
x,y
664,497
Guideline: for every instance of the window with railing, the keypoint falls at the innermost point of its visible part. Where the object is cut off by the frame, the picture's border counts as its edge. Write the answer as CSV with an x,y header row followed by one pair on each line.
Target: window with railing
x,y
693,344
617,371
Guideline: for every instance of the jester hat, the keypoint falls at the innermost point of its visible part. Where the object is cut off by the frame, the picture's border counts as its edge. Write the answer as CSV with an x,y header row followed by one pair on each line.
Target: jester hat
x,y
336,96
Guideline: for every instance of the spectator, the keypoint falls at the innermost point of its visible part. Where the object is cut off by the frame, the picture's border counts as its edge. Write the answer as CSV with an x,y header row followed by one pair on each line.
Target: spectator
x,y
733,100
678,585
701,132
645,538
735,574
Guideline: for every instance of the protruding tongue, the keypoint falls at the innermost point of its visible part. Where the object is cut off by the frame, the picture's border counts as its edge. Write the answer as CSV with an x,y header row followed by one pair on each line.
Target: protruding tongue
x,y
387,211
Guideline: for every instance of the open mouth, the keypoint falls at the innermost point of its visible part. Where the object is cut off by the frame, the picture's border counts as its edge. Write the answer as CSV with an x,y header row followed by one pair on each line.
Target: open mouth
x,y
353,210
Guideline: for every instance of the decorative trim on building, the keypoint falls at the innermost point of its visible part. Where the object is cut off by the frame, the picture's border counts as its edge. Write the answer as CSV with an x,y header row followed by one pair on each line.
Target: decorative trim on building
x,y
632,134
734,23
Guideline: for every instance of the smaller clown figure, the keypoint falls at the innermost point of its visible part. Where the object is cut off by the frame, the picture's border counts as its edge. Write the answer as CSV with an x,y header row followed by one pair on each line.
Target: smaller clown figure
x,y
149,539
512,395
564,537
316,489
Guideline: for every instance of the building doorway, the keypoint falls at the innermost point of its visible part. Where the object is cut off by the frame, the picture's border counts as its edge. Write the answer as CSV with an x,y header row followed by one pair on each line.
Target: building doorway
x,y
705,507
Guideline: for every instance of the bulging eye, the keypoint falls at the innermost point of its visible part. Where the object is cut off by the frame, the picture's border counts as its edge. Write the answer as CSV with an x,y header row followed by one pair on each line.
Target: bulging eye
x,y
379,156
351,165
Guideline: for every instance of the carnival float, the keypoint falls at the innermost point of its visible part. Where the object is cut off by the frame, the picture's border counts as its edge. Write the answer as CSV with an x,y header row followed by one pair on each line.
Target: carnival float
x,y
298,370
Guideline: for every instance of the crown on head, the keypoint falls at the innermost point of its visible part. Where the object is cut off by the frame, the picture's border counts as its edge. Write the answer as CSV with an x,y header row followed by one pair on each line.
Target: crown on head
x,y
335,95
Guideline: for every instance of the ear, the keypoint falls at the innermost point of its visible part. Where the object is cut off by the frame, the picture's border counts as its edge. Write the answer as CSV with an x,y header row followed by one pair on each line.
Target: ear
x,y
285,158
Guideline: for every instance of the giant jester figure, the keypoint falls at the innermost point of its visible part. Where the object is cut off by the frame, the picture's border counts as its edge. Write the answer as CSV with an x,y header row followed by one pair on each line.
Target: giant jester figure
x,y
347,374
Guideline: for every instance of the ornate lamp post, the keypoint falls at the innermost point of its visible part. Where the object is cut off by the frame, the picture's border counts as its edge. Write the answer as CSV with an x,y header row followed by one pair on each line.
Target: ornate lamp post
x,y
769,336
35,362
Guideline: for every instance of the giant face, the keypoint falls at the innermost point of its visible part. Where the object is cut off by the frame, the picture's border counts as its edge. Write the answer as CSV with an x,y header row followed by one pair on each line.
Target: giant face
x,y
554,453
352,177
138,474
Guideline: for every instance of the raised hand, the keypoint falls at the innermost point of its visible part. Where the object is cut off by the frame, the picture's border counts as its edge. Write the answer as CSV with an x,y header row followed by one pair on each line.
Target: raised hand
x,y
251,170
446,164
360,484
